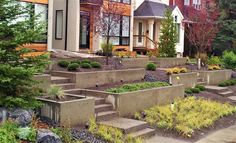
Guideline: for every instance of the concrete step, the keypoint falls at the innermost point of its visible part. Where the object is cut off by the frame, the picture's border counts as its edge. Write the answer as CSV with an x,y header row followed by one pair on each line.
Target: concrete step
x,y
226,93
103,108
216,89
67,86
107,115
145,133
202,83
233,98
126,125
59,80
99,101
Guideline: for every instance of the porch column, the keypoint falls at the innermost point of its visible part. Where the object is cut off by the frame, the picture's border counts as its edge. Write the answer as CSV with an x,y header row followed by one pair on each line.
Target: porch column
x,y
50,25
73,25
150,29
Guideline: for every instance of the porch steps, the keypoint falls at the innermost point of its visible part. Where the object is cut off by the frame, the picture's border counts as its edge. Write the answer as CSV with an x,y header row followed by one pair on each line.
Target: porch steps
x,y
223,91
106,115
103,108
132,127
232,98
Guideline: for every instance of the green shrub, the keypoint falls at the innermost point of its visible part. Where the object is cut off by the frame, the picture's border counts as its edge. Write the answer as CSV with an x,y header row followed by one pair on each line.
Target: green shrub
x,y
27,133
85,61
229,60
196,90
64,134
228,83
188,91
8,133
201,87
76,61
73,67
96,65
214,60
187,115
137,86
86,66
63,63
151,67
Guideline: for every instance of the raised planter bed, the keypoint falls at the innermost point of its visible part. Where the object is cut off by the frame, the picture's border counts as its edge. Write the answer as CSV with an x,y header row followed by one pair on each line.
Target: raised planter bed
x,y
127,104
215,77
169,62
92,79
134,62
187,79
69,113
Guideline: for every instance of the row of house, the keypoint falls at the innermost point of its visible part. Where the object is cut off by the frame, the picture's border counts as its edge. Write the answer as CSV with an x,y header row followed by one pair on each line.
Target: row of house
x,y
70,24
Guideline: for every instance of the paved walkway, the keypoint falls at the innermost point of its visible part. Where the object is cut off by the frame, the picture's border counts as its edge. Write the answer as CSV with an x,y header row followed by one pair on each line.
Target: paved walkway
x,y
227,135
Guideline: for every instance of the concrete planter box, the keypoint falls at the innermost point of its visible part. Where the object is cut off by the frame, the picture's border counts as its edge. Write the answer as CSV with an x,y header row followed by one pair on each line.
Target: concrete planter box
x,y
169,62
44,79
134,62
187,79
91,79
215,77
69,113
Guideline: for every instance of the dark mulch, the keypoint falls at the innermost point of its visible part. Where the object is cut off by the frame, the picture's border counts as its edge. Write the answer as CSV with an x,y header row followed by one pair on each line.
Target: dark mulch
x,y
159,75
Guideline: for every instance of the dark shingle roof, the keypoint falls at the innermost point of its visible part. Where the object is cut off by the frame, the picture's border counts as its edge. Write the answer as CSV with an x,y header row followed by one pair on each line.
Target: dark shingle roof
x,y
152,9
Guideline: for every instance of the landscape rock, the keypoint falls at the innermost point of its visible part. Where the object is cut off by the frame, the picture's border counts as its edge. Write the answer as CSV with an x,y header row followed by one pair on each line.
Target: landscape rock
x,y
46,136
21,116
86,136
233,74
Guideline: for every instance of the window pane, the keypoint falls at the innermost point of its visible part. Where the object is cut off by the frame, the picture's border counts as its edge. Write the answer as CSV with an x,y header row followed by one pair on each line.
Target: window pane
x,y
125,26
114,25
186,2
59,24
41,11
125,41
126,1
178,32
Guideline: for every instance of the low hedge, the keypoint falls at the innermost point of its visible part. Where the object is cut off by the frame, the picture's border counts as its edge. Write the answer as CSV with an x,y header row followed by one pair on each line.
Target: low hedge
x,y
226,83
151,67
63,63
196,89
137,86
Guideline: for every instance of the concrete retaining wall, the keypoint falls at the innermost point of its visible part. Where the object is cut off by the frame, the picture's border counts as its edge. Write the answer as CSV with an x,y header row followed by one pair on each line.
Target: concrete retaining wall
x,y
169,62
127,104
69,113
91,79
187,79
134,62
44,79
215,77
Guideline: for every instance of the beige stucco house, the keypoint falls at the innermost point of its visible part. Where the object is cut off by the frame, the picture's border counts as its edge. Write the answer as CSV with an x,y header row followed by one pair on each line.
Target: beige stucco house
x,y
147,24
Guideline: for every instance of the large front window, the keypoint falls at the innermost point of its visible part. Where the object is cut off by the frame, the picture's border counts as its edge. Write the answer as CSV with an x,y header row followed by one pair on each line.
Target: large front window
x,y
120,30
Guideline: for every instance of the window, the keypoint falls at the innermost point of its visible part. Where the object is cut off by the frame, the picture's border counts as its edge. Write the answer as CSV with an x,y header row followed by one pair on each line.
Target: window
x,y
178,32
122,1
120,34
59,24
186,2
197,4
41,11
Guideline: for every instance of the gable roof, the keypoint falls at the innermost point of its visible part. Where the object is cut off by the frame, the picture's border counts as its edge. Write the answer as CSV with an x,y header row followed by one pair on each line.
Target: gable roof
x,y
152,9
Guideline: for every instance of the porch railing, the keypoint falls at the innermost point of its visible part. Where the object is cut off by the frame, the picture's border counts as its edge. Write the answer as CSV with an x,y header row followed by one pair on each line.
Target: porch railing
x,y
144,43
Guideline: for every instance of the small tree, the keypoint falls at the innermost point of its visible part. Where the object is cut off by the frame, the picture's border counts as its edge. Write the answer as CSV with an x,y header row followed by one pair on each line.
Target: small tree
x,y
18,27
168,36
107,22
201,30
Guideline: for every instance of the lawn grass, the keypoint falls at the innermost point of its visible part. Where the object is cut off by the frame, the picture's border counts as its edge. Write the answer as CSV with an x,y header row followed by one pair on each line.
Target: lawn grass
x,y
137,86
187,115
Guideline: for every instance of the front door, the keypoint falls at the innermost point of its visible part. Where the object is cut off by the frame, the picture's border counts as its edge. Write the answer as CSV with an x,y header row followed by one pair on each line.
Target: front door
x,y
84,30
140,34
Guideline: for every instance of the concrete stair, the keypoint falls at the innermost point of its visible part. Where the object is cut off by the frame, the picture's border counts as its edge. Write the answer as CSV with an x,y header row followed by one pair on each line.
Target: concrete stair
x,y
66,86
200,81
232,98
223,91
59,80
129,126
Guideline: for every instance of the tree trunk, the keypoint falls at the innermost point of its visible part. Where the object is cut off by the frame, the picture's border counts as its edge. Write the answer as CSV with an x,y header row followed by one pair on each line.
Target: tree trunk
x,y
199,61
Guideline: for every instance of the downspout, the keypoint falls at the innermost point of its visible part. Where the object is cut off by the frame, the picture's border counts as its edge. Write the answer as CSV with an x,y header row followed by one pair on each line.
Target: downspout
x,y
66,29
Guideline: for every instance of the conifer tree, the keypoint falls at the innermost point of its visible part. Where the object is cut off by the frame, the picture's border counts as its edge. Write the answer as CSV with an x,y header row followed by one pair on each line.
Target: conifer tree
x,y
168,36
18,27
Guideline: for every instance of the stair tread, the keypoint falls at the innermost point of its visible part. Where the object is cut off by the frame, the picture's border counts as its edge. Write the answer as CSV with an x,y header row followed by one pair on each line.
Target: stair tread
x,y
106,113
226,92
58,78
216,88
65,84
103,105
142,132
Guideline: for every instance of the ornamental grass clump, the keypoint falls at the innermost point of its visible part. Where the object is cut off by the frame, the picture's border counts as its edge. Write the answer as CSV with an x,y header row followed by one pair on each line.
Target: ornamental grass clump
x,y
188,115
137,86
